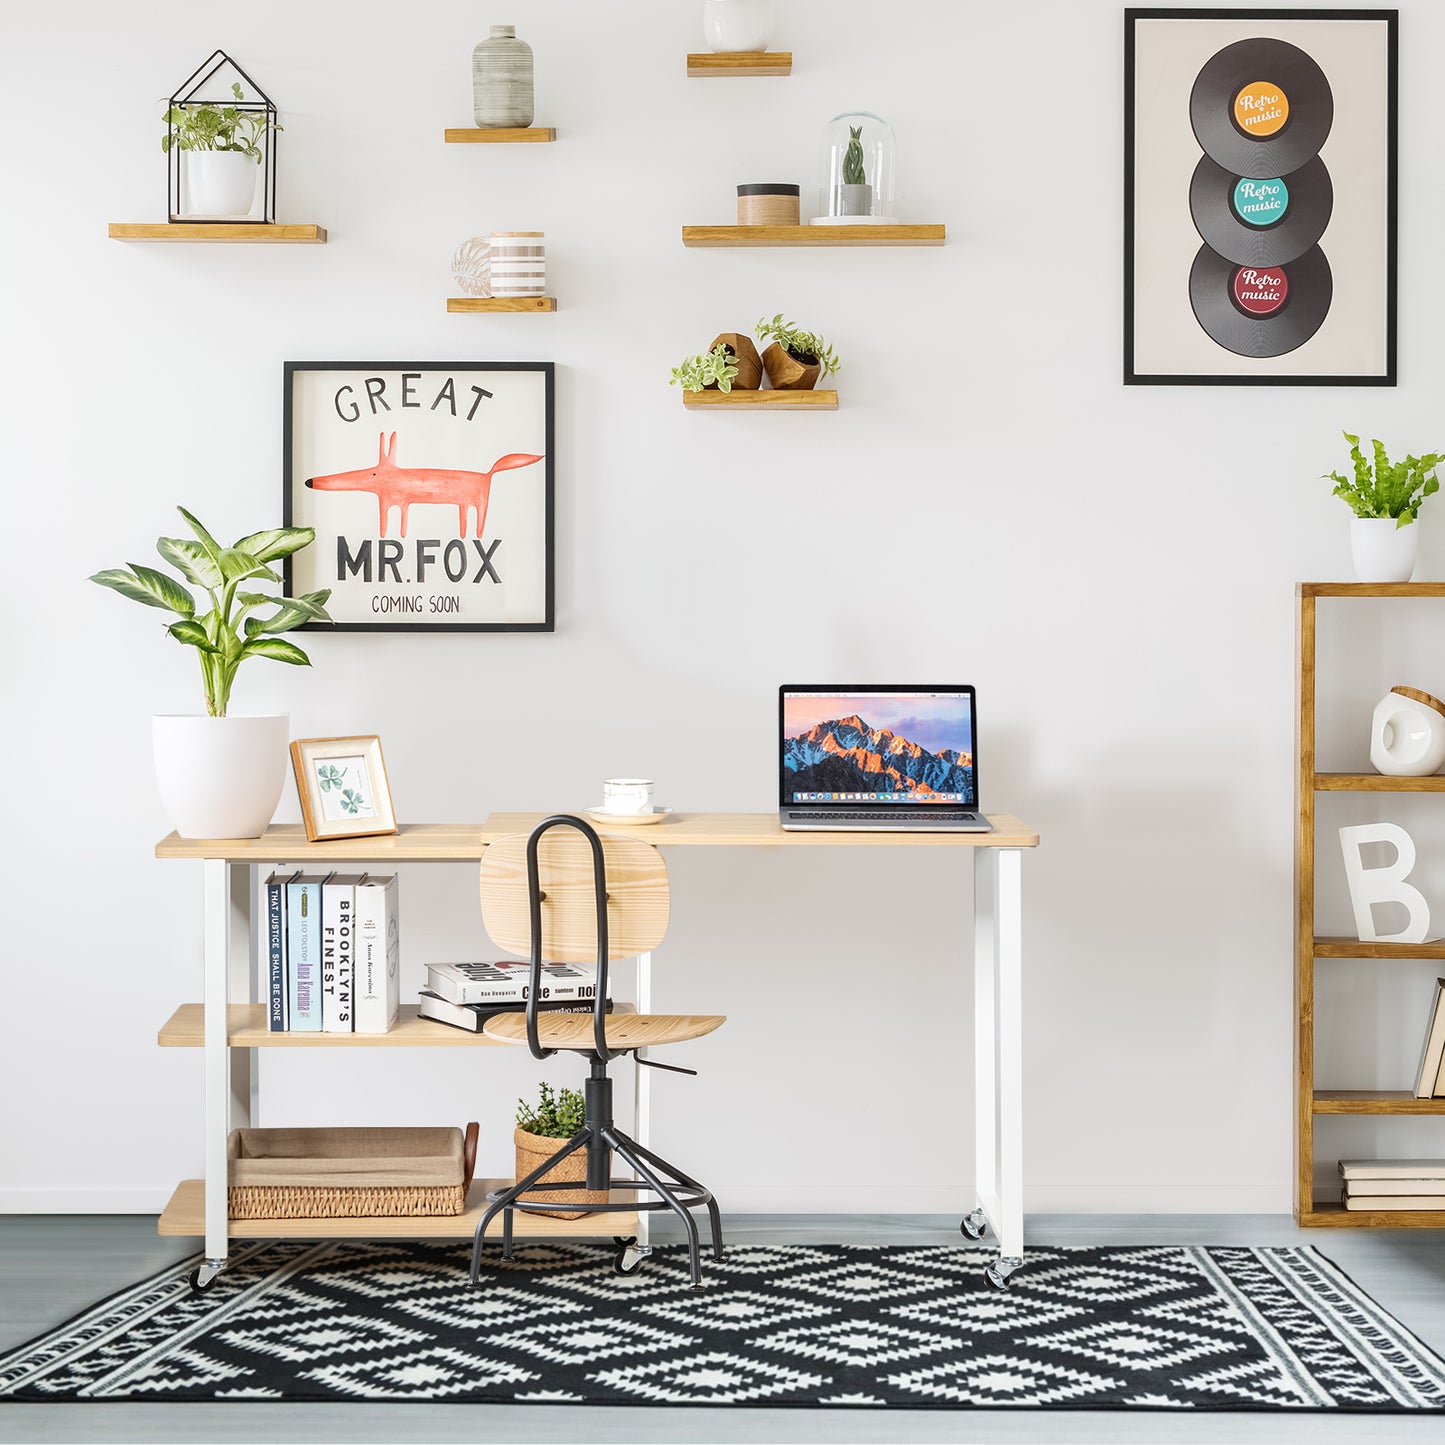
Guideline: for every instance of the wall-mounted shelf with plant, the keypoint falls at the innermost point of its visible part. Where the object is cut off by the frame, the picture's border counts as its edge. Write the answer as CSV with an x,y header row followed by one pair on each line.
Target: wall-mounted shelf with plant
x,y
731,373
704,64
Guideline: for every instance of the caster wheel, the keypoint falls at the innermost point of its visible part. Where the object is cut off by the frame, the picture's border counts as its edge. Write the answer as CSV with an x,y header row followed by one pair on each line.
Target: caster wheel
x,y
627,1260
199,1287
623,1240
973,1225
997,1280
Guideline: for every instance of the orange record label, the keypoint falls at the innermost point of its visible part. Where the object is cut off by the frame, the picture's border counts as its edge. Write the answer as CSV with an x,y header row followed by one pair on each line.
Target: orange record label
x,y
1261,109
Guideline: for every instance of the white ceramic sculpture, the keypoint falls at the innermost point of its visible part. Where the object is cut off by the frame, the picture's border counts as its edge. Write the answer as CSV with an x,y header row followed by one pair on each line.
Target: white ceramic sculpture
x,y
1407,734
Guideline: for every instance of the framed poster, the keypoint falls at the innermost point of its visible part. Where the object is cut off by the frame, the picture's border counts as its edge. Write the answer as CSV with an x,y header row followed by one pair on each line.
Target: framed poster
x,y
1259,197
430,488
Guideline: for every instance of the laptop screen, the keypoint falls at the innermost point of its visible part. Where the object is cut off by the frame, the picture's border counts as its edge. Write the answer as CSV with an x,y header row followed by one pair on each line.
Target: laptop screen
x,y
910,746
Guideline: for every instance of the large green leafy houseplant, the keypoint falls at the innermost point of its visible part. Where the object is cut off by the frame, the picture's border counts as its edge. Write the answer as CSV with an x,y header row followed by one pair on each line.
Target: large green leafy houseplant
x,y
227,634
1387,489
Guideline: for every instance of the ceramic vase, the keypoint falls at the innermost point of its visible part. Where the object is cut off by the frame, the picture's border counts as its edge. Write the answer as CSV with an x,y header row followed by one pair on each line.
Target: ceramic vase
x,y
219,184
220,777
729,26
1407,734
517,263
502,81
1383,552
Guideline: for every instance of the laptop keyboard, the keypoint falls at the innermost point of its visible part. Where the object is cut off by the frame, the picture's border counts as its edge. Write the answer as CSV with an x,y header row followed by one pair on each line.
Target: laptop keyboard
x,y
872,815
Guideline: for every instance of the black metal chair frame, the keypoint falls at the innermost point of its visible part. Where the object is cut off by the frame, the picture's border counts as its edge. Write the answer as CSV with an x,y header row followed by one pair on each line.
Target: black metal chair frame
x,y
599,1136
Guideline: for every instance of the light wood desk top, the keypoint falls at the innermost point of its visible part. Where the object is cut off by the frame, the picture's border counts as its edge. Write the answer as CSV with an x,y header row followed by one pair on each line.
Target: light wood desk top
x,y
463,842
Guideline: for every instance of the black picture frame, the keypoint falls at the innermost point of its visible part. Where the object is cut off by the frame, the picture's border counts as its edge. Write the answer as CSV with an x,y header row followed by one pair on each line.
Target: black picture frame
x,y
465,526
1277,22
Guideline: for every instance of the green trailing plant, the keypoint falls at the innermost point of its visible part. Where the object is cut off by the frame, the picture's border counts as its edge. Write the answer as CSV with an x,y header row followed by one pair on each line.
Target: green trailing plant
x,y
853,172
557,1115
208,126
699,372
1386,488
804,347
228,634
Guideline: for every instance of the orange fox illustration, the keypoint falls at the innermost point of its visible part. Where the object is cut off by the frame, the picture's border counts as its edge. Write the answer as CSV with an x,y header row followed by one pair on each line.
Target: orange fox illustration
x,y
404,487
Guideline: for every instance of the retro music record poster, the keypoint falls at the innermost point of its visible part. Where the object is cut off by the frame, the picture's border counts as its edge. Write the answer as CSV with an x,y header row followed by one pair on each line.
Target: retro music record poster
x,y
1259,197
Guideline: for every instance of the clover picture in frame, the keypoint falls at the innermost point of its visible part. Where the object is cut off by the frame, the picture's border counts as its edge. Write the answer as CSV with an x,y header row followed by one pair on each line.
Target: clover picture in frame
x,y
343,788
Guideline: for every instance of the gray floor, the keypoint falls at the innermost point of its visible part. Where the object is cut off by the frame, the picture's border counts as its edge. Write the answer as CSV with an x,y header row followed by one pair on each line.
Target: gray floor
x,y
50,1268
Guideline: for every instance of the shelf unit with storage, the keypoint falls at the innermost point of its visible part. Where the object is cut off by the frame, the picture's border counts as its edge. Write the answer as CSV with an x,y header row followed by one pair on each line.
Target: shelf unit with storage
x,y
1311,1101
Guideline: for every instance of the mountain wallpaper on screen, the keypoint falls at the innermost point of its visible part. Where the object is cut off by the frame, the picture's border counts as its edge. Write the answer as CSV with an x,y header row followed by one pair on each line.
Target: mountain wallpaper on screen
x,y
845,755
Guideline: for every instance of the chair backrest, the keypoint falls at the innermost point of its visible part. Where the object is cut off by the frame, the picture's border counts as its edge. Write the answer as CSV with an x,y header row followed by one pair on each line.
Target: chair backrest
x,y
637,896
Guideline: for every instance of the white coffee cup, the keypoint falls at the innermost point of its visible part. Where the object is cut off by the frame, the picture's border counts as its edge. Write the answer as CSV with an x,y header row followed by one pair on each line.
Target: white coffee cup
x,y
1407,735
627,795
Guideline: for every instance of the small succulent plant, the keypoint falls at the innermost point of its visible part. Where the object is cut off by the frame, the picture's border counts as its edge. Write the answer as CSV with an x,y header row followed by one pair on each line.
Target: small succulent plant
x,y
803,346
698,372
853,172
558,1114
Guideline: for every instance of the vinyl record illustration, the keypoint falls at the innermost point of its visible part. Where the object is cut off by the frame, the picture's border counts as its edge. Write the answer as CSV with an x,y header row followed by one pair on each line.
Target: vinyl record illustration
x,y
1261,108
1260,311
1261,221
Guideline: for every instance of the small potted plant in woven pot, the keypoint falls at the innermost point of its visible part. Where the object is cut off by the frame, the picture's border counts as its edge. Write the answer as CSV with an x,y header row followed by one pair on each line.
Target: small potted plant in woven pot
x,y
797,359
542,1129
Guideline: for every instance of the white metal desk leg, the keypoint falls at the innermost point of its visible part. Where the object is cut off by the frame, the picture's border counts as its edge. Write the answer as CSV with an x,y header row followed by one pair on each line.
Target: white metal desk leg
x,y
217,1063
1008,1010
642,1089
985,1024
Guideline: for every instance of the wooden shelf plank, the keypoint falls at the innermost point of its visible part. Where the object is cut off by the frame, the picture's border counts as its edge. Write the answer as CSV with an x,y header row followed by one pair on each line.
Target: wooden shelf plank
x,y
740,62
217,231
770,399
1374,1101
1328,1214
501,303
1370,589
1355,948
1377,783
246,1029
930,235
473,135
185,1215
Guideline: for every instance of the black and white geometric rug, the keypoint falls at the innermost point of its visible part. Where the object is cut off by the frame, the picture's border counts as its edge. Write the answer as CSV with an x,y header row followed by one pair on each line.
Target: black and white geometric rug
x,y
810,1325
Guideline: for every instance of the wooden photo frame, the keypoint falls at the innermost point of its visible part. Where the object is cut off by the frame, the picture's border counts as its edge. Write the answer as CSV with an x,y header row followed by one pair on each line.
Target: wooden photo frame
x,y
343,788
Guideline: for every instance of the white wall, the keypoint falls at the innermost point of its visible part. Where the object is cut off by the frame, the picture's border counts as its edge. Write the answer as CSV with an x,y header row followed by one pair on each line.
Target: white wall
x,y
1112,567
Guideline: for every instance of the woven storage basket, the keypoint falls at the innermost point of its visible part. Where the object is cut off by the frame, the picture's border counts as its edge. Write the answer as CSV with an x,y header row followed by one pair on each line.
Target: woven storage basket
x,y
532,1151
344,1173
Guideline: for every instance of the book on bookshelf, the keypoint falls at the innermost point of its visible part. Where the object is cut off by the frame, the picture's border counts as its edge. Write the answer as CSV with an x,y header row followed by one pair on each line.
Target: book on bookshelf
x,y
338,931
376,955
1427,1076
1354,1171
508,981
1394,1201
278,1002
303,951
473,1016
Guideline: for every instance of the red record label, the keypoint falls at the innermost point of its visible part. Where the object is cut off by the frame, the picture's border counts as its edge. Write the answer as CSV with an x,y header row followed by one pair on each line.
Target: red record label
x,y
1260,290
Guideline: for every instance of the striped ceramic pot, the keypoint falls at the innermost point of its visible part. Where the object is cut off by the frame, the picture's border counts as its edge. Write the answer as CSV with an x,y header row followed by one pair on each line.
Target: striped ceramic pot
x,y
517,263
502,80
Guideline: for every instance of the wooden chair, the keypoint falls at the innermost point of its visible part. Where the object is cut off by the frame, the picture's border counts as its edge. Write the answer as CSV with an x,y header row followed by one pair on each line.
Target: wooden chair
x,y
575,897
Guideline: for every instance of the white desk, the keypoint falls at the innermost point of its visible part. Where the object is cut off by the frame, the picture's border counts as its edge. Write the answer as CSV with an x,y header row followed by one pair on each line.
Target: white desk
x,y
230,1023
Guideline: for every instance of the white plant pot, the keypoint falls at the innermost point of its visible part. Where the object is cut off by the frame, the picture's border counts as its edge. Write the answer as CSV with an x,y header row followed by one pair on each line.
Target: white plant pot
x,y
220,777
219,185
732,25
1383,552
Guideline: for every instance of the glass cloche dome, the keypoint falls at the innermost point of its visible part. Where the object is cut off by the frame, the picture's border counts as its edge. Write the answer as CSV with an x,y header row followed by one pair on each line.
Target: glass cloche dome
x,y
859,164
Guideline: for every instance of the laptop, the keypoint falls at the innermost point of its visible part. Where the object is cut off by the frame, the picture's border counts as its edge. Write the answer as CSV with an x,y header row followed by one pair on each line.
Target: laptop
x,y
873,758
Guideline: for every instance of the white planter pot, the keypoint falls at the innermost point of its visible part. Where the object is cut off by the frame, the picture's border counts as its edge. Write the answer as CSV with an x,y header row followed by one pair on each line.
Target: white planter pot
x,y
732,25
1383,552
221,777
218,184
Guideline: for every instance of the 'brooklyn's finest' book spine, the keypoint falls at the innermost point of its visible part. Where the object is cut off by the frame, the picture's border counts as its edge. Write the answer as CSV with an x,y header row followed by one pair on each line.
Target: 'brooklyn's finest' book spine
x,y
278,1006
338,907
303,949
377,955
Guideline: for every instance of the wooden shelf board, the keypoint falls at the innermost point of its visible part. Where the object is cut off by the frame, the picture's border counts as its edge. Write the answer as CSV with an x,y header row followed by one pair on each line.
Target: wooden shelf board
x,y
530,135
217,231
1370,589
813,235
1377,783
501,303
1328,1214
741,62
769,399
1354,948
1374,1101
186,1215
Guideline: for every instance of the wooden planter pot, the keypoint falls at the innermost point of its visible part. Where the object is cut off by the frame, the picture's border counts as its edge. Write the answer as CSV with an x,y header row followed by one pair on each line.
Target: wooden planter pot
x,y
786,373
750,364
532,1151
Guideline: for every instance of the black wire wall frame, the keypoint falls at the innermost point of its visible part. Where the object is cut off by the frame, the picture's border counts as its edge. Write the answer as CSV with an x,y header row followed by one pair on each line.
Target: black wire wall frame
x,y
256,102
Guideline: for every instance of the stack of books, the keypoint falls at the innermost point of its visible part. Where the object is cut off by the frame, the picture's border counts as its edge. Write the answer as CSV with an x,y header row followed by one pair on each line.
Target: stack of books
x,y
466,995
1393,1183
333,953
1430,1076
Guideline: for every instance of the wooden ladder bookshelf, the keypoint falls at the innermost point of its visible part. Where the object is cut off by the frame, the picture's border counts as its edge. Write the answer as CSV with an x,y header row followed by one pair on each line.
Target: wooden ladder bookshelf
x,y
1312,1101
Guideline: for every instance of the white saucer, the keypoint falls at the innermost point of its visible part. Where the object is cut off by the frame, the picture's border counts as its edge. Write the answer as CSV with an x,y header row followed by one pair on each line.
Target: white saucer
x,y
630,820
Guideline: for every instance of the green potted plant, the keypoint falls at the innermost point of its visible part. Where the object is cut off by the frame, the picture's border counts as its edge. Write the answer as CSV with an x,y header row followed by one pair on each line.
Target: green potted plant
x,y
796,359
542,1129
713,372
1385,497
221,148
220,775
855,195
748,364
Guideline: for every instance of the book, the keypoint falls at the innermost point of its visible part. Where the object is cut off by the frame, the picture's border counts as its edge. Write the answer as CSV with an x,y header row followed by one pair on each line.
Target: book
x,y
1376,1171
1427,1076
338,929
473,1016
1430,1184
278,1002
508,981
1395,1201
303,951
376,955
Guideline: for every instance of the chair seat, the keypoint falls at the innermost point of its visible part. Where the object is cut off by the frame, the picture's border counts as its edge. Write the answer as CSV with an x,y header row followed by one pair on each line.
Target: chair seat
x,y
624,1031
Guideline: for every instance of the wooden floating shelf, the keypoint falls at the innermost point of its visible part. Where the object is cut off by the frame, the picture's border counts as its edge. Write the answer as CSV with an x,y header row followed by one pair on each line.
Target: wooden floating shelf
x,y
1355,948
501,303
771,399
1371,589
1377,783
812,235
1373,1101
740,62
1333,1215
217,231
474,135
186,1215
